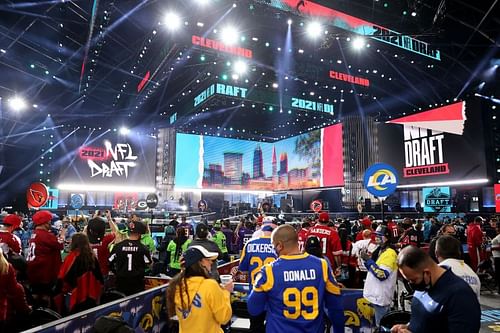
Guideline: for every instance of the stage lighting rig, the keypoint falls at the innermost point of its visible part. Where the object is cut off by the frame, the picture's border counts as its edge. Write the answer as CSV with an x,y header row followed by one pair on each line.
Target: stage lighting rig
x,y
314,29
172,20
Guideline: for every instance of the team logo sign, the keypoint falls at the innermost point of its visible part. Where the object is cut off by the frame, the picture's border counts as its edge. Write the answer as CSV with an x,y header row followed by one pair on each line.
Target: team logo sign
x,y
152,200
37,195
316,206
437,199
380,180
76,201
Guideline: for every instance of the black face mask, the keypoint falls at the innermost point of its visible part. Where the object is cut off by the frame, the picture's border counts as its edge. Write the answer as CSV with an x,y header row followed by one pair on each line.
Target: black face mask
x,y
422,286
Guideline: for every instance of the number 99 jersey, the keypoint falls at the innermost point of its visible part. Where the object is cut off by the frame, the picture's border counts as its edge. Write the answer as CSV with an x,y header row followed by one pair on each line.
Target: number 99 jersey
x,y
294,290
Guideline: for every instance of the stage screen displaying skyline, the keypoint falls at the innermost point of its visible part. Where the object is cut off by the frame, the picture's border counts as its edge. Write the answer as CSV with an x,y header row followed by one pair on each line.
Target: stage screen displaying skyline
x,y
309,160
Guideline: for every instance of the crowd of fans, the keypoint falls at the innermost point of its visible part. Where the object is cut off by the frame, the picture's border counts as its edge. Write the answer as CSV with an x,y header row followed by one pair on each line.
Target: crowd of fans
x,y
66,264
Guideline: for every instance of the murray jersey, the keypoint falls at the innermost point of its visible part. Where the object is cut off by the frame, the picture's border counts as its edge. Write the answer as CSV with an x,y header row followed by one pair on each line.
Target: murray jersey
x,y
295,290
256,253
130,259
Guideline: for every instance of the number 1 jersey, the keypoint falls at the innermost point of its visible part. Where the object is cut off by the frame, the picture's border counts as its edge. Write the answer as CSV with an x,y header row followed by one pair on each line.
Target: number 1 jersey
x,y
130,259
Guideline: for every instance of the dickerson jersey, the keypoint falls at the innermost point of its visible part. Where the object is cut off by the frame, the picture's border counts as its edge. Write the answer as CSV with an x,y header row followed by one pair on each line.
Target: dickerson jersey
x,y
329,239
294,290
130,258
256,253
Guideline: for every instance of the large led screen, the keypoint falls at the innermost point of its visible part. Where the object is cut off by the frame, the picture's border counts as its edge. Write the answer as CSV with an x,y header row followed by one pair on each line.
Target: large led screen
x,y
109,159
442,144
309,160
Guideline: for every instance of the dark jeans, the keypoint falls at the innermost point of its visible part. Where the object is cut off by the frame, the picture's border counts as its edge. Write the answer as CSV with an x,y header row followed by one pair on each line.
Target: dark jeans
x,y
257,323
497,272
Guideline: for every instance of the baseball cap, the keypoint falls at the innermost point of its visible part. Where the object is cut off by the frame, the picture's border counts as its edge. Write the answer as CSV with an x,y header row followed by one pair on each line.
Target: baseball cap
x,y
96,230
382,230
197,252
12,220
137,227
201,230
324,217
42,217
267,227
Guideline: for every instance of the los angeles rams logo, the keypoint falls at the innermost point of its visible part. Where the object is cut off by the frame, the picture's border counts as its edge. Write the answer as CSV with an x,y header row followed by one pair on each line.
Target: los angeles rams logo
x,y
380,179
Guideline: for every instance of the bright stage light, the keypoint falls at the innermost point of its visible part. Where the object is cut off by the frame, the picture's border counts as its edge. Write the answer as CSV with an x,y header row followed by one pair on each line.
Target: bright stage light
x,y
240,67
448,183
105,188
124,131
17,103
314,29
202,2
229,35
172,21
358,43
289,21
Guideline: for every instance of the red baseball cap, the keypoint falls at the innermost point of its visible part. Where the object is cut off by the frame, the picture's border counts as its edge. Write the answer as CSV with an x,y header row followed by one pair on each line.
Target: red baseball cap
x,y
324,217
12,220
42,217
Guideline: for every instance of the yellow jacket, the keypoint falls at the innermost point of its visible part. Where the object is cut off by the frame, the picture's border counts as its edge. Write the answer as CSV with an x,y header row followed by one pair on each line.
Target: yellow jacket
x,y
210,306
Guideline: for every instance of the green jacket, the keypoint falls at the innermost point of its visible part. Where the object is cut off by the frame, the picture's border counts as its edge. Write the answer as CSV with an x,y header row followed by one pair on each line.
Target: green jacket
x,y
174,261
220,239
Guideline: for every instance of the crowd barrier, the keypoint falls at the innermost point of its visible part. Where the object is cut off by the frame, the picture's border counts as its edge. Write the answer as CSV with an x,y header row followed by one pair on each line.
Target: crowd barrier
x,y
146,313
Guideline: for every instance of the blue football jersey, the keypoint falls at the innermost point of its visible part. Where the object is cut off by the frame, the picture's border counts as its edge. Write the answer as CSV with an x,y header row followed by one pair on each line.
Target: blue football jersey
x,y
294,291
256,253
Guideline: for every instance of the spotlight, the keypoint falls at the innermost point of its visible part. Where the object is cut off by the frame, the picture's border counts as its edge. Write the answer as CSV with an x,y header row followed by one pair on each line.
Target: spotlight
x,y
124,131
240,67
202,2
172,21
17,103
289,21
314,29
413,13
229,35
358,43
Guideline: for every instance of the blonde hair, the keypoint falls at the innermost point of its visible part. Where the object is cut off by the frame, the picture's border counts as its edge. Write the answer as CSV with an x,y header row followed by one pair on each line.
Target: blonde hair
x,y
4,264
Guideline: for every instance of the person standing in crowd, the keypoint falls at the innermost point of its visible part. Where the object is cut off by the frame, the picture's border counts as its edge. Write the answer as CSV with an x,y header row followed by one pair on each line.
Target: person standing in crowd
x,y
382,273
448,254
409,236
256,253
100,241
393,230
435,226
295,289
44,258
80,281
220,239
427,229
267,220
366,223
347,260
229,233
130,258
474,241
364,245
173,222
329,239
199,303
244,234
187,227
146,238
495,251
302,234
14,307
442,302
10,243
489,228
202,240
175,248
447,229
